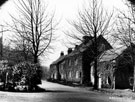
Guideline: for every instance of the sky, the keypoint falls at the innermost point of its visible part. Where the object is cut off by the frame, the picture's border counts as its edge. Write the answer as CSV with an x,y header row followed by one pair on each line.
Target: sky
x,y
64,10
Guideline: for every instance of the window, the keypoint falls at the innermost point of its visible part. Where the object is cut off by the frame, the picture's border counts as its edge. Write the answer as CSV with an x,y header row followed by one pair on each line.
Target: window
x,y
62,76
107,66
69,62
102,47
70,74
108,80
55,76
61,66
77,74
92,74
80,75
52,76
76,61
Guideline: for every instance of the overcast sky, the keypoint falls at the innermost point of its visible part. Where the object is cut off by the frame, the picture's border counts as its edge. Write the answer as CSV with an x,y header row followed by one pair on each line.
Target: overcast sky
x,y
64,10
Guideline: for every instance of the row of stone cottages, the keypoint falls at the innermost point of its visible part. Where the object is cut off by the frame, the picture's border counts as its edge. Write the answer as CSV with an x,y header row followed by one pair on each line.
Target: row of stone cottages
x,y
77,65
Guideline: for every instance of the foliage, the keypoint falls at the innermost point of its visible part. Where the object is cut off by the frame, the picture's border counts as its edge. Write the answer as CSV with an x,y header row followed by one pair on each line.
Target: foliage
x,y
15,56
27,73
24,75
45,73
125,35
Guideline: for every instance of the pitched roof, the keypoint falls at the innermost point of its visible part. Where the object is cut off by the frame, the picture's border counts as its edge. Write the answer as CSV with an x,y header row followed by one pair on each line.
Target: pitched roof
x,y
61,58
83,47
111,54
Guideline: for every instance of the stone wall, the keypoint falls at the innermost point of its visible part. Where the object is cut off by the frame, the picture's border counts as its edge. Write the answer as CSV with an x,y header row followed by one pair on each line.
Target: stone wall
x,y
71,69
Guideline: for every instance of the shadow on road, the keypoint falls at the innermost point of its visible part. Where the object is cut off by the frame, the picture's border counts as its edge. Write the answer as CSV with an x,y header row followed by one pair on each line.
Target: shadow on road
x,y
58,91
40,90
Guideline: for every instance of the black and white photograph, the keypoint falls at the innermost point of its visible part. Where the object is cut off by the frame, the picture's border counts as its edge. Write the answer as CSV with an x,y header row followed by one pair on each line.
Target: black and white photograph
x,y
67,51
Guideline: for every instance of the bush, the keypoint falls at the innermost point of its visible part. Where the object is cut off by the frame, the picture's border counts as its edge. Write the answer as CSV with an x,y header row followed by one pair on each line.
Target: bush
x,y
106,86
27,74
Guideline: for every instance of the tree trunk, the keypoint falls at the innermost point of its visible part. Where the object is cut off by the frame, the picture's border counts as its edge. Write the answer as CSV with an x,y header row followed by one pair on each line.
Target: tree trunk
x,y
95,75
95,60
58,73
113,84
134,77
133,65
35,59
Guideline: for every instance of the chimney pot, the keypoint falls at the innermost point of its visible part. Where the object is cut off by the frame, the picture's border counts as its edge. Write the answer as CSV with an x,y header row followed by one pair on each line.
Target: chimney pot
x,y
62,53
86,39
69,50
76,46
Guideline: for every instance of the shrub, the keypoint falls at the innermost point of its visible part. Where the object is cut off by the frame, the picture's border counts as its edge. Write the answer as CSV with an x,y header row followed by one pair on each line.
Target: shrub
x,y
106,86
27,73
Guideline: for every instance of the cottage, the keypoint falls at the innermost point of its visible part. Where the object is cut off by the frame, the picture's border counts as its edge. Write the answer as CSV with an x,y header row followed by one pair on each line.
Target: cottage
x,y
75,66
115,68
106,68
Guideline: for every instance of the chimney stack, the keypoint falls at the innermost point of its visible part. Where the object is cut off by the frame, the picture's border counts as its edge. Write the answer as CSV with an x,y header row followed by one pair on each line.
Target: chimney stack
x,y
76,46
62,53
69,50
86,39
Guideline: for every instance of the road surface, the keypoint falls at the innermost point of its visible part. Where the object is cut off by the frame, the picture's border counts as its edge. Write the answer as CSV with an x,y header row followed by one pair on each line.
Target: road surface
x,y
59,93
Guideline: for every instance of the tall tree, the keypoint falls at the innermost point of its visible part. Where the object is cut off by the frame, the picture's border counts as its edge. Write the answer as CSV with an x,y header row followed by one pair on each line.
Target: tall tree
x,y
125,34
23,46
92,21
34,26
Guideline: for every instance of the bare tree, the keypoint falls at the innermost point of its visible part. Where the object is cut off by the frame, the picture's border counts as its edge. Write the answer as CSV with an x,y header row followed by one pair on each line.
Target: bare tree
x,y
92,21
34,27
125,33
24,47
